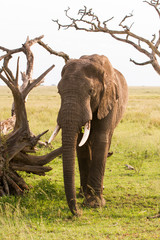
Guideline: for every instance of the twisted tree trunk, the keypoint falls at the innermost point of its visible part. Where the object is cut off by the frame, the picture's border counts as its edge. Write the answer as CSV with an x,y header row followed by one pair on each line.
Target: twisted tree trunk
x,y
16,145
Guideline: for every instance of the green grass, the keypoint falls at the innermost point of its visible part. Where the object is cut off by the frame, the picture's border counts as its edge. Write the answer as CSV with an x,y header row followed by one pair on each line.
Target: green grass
x,y
131,195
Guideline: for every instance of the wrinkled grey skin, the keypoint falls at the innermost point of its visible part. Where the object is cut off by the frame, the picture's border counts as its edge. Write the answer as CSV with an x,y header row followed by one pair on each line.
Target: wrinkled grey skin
x,y
90,89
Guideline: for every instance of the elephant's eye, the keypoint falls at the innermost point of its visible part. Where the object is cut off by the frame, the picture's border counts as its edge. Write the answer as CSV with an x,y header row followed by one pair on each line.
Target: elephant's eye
x,y
91,91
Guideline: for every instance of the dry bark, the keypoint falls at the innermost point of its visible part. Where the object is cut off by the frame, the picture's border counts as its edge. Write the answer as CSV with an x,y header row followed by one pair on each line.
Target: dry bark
x,y
16,145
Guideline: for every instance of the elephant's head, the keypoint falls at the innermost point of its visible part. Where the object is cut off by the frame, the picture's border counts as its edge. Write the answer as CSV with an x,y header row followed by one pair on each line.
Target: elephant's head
x,y
87,87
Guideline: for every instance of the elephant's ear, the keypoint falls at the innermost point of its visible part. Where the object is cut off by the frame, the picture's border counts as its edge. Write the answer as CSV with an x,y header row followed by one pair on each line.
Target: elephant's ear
x,y
109,98
107,76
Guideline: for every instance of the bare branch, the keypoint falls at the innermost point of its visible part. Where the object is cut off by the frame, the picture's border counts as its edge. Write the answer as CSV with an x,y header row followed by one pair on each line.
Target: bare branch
x,y
106,21
158,42
5,65
123,20
36,160
36,82
10,79
155,4
137,46
30,59
89,22
33,41
51,51
10,52
8,83
26,46
17,73
39,170
141,64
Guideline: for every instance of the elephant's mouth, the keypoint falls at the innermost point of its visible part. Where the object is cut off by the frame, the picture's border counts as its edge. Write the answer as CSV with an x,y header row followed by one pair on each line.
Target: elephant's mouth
x,y
84,139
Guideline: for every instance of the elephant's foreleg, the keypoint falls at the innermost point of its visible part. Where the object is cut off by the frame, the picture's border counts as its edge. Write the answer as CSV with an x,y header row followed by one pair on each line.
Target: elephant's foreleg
x,y
97,169
84,161
100,147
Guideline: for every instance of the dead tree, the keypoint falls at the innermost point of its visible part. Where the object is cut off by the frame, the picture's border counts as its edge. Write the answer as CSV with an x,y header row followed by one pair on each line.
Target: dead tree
x,y
16,145
90,22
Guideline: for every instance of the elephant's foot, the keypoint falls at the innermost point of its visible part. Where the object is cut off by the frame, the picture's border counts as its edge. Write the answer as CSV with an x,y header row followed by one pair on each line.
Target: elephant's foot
x,y
94,201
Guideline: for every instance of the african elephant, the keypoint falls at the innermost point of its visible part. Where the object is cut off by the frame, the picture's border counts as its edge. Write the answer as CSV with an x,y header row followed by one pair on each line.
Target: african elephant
x,y
93,94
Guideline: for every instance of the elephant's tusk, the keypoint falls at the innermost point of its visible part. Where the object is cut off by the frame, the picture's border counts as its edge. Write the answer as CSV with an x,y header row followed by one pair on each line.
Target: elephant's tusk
x,y
54,134
86,134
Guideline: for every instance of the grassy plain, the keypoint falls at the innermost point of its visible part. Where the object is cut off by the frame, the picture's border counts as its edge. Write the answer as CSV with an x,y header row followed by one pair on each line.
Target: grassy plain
x,y
131,195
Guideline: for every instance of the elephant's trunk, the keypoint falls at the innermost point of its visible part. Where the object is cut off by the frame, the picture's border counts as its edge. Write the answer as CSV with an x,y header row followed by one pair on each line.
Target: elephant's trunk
x,y
71,118
69,141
